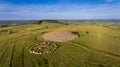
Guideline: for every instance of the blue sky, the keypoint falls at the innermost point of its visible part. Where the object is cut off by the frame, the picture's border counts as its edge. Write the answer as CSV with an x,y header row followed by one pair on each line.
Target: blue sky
x,y
59,9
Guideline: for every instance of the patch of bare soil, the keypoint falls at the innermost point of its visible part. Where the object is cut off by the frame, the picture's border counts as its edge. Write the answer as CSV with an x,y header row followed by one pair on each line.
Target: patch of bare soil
x,y
60,36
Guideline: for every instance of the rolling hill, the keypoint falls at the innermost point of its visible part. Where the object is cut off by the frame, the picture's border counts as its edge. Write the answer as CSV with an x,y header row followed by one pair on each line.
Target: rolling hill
x,y
96,46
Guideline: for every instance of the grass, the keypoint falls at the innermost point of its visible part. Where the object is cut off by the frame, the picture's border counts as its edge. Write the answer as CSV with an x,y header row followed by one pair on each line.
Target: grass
x,y
98,48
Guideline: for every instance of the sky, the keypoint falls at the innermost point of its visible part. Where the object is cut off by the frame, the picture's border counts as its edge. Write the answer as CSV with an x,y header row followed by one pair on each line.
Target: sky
x,y
59,9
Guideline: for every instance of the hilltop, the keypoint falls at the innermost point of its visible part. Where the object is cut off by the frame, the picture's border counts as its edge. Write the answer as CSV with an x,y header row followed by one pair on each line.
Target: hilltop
x,y
95,45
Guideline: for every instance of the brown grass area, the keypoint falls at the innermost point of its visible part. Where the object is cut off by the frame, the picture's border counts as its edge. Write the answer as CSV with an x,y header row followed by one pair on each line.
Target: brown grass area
x,y
60,36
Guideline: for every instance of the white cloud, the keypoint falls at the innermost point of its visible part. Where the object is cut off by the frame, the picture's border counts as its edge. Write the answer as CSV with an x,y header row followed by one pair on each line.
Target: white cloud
x,y
24,12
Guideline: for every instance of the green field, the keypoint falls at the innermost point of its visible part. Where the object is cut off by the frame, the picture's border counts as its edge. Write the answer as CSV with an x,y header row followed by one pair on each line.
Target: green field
x,y
97,46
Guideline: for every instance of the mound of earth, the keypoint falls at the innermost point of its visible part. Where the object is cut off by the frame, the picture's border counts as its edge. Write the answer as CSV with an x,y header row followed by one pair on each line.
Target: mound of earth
x,y
60,36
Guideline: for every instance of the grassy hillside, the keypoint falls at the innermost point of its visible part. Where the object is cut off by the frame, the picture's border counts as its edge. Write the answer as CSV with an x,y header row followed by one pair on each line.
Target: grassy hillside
x,y
97,46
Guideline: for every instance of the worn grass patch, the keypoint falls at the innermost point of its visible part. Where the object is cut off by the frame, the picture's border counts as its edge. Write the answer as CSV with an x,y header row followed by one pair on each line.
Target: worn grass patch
x,y
60,36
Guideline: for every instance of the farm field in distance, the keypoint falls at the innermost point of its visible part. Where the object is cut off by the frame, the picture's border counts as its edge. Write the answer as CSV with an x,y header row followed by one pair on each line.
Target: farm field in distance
x,y
69,44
